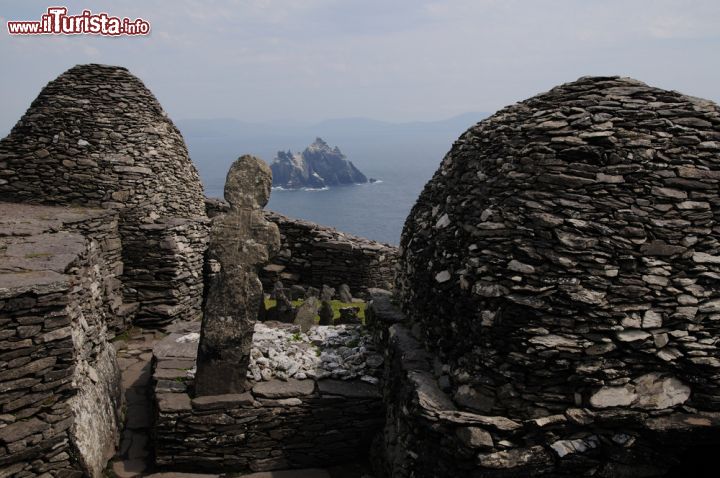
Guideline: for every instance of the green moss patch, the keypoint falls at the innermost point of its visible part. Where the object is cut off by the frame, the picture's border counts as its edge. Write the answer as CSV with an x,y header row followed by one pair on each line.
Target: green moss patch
x,y
335,304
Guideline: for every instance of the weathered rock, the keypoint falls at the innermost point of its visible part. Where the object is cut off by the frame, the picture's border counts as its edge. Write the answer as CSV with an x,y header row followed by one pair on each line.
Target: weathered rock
x,y
344,294
283,310
316,167
613,397
277,290
214,402
297,292
240,241
312,255
564,256
341,352
656,392
281,389
474,437
327,293
60,300
354,389
349,316
475,398
305,314
326,313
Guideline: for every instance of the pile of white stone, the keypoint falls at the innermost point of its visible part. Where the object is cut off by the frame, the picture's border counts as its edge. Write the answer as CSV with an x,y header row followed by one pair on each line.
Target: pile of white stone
x,y
341,352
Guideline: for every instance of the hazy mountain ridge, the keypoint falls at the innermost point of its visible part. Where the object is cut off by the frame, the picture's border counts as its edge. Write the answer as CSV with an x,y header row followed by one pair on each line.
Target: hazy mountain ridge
x,y
215,143
231,127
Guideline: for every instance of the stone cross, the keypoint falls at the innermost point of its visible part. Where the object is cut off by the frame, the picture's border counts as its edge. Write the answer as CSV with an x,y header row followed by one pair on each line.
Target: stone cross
x,y
241,240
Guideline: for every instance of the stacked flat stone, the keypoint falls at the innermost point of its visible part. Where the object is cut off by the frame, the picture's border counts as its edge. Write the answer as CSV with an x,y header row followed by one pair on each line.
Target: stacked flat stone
x,y
562,267
60,398
96,136
276,424
314,255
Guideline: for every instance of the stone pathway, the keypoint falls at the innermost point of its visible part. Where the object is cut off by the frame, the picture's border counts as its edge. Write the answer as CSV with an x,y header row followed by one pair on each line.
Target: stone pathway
x,y
134,358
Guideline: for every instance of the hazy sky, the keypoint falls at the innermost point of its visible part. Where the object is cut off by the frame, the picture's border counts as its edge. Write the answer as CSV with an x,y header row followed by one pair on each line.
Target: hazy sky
x,y
395,60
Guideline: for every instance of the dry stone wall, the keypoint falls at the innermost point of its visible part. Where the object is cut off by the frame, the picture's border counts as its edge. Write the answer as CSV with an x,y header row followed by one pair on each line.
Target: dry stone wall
x,y
168,282
427,435
315,255
562,267
276,424
59,382
96,136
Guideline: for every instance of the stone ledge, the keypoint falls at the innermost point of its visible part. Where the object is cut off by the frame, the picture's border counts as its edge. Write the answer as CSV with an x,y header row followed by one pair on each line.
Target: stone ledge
x,y
173,402
227,401
349,388
284,389
36,282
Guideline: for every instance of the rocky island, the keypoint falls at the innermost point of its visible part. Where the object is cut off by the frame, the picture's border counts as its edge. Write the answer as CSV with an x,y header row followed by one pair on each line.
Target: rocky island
x,y
318,166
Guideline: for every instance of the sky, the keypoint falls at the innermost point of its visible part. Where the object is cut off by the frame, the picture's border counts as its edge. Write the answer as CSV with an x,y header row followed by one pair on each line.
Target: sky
x,y
393,60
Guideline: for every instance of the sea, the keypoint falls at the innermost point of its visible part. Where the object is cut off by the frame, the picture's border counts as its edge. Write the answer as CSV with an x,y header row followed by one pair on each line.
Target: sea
x,y
402,157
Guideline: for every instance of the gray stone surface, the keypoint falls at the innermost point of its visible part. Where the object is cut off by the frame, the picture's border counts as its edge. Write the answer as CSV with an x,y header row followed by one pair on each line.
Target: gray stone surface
x,y
97,137
564,257
240,241
353,389
326,313
318,166
284,389
313,255
60,302
349,315
212,402
277,425
327,293
305,314
344,293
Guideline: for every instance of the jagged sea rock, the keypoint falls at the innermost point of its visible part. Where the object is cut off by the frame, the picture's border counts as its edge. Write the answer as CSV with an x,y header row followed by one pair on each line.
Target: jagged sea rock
x,y
318,166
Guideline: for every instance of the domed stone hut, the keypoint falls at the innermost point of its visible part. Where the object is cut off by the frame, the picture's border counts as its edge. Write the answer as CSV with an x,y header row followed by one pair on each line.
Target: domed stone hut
x,y
96,136
563,268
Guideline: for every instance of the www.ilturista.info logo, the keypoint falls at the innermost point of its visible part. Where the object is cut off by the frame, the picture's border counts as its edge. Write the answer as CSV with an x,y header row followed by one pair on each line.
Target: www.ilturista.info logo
x,y
57,22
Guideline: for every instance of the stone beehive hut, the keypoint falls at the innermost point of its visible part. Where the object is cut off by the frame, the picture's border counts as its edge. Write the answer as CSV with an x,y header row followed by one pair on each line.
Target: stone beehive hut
x,y
96,136
563,264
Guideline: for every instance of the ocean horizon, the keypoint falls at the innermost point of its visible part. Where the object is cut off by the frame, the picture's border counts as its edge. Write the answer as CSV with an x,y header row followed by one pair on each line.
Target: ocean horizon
x,y
402,157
